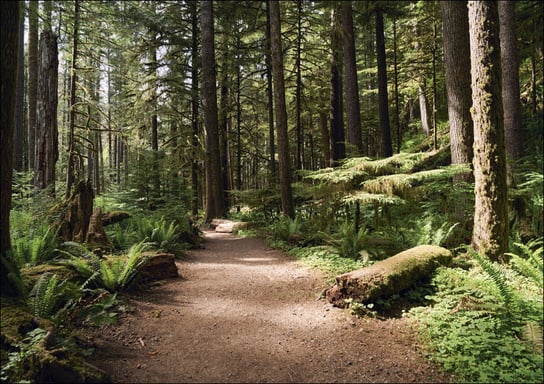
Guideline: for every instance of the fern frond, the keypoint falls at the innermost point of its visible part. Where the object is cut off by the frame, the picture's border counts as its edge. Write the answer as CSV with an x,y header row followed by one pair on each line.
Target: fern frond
x,y
44,295
532,334
398,184
496,275
530,264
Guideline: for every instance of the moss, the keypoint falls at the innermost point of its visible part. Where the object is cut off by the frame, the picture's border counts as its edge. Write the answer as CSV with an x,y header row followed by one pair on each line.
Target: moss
x,y
16,320
32,274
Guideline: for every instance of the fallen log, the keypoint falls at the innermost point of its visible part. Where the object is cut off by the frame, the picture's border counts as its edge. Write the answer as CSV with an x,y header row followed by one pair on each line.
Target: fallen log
x,y
387,277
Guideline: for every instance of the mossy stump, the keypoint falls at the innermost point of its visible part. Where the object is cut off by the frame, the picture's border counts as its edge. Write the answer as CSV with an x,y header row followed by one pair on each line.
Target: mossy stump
x,y
387,277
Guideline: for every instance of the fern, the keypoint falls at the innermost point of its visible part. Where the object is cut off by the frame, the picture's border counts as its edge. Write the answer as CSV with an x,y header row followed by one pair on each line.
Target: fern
x,y
531,264
132,265
45,295
496,275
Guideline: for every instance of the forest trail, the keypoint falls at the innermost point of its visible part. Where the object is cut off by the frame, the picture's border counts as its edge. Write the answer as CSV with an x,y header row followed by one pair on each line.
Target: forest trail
x,y
241,312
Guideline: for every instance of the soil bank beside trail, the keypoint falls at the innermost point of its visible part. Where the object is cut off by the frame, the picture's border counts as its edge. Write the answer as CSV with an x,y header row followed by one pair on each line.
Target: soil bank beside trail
x,y
241,312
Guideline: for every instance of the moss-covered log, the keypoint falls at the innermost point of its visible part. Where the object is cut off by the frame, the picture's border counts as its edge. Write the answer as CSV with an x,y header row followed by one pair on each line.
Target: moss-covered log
x,y
388,277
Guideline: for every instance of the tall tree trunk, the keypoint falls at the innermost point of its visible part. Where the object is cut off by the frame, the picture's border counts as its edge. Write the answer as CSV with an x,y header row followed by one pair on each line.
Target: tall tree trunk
x,y
195,60
32,79
215,206
325,140
19,132
224,116
510,82
9,30
383,99
423,107
154,116
490,233
47,133
396,80
298,89
353,112
270,96
457,65
281,111
72,123
239,122
338,138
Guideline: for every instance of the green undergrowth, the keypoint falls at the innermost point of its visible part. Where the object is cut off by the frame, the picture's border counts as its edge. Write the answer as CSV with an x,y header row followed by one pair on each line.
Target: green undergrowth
x,y
485,320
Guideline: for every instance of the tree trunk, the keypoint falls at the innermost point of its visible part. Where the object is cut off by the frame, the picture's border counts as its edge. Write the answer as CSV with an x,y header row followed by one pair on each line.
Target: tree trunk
x,y
396,83
215,206
47,133
270,96
510,82
32,79
457,66
490,233
338,139
9,27
383,99
19,133
353,112
325,140
281,111
72,123
194,108
423,109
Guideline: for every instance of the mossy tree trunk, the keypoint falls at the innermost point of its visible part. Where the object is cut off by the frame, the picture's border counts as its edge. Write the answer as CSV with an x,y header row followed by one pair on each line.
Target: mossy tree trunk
x,y
490,232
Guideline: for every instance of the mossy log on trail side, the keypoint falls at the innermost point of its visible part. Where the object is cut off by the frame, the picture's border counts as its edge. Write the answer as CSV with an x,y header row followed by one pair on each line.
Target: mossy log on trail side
x,y
113,217
387,277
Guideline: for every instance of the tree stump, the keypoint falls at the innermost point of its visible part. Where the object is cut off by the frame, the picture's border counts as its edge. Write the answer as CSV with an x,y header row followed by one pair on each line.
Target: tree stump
x,y
79,208
96,236
387,277
159,266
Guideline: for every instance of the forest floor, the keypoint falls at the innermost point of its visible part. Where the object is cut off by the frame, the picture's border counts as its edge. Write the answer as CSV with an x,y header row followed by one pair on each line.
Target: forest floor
x,y
241,312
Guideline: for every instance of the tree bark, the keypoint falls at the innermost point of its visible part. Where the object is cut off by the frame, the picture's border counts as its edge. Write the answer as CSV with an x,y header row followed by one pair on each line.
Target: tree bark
x,y
19,133
353,112
9,27
72,123
325,140
338,138
270,96
47,133
32,79
194,108
457,66
383,99
215,206
511,101
281,111
490,232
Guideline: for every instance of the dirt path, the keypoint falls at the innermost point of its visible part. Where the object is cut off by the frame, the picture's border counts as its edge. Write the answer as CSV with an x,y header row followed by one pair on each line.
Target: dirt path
x,y
244,313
